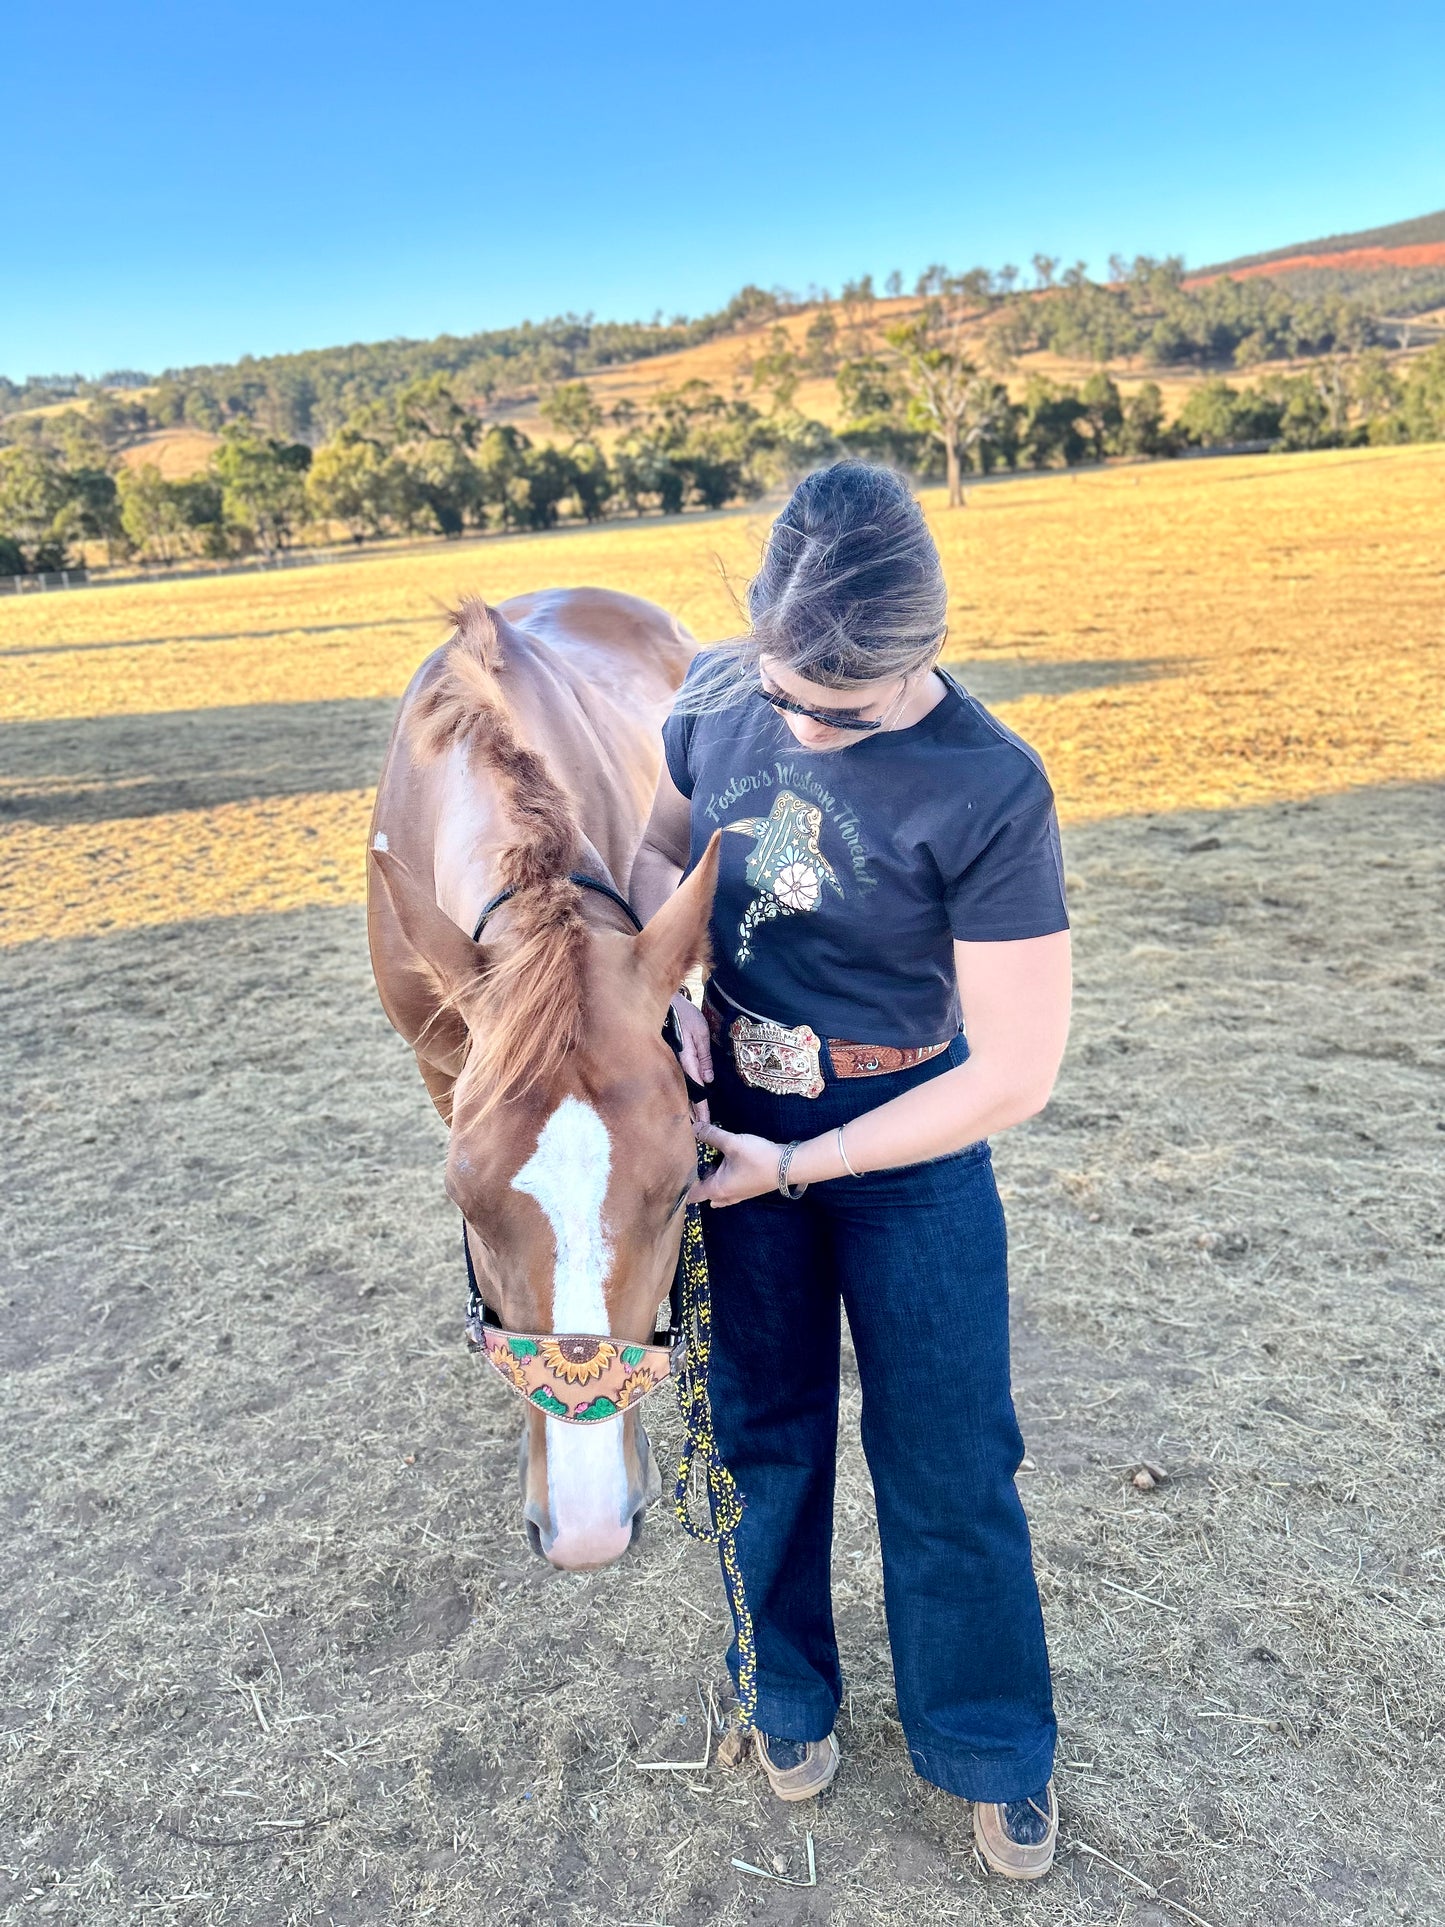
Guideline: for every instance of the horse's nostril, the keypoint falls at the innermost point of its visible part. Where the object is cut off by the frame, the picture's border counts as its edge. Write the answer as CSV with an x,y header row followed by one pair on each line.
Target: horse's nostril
x,y
638,1520
534,1536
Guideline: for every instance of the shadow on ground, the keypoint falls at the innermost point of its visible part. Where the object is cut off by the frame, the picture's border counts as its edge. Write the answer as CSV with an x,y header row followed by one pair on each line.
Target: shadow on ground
x,y
436,622
117,766
1005,680
94,770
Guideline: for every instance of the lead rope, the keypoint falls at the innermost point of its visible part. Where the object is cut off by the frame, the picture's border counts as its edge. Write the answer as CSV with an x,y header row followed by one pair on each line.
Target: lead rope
x,y
725,1502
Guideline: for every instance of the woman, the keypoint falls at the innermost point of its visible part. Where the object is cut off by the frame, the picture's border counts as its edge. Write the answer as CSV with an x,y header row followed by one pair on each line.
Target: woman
x,y
890,986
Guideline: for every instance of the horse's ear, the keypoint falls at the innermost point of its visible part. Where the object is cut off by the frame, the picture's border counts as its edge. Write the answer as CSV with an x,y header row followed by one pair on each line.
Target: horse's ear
x,y
426,968
674,943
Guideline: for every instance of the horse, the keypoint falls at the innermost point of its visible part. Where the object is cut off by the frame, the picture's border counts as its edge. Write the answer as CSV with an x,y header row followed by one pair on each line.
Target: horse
x,y
523,757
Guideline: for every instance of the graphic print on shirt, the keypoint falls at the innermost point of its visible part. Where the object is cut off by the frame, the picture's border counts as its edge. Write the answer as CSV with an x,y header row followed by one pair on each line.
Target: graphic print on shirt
x,y
786,866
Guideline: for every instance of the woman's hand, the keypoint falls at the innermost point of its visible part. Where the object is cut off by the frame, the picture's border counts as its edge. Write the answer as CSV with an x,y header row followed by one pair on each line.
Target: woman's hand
x,y
695,1053
749,1167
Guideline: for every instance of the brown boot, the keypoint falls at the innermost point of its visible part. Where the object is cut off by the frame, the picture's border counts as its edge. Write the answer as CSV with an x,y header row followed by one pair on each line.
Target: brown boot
x,y
1017,1837
797,1769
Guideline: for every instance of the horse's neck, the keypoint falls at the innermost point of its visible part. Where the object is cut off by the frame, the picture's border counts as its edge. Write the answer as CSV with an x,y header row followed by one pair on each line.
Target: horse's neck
x,y
473,826
591,745
472,832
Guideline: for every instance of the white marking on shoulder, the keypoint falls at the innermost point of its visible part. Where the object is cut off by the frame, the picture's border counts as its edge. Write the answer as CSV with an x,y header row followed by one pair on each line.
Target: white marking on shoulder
x,y
567,1174
379,842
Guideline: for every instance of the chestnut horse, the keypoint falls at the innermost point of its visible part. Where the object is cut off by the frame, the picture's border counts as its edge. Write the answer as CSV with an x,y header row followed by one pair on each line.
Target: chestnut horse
x,y
527,749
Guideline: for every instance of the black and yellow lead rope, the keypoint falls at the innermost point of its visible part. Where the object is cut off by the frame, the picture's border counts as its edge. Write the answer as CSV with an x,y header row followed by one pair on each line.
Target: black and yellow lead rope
x,y
725,1502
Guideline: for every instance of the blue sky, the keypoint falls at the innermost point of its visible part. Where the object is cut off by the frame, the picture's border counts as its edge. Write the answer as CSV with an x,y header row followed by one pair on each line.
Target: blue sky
x,y
189,183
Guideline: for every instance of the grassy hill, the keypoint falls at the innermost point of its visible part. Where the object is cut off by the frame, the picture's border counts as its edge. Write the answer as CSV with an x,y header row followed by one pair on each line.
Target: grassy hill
x,y
719,407
1427,231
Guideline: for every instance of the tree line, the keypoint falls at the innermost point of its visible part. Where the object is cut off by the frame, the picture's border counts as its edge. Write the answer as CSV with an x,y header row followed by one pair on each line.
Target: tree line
x,y
309,396
937,413
925,392
421,462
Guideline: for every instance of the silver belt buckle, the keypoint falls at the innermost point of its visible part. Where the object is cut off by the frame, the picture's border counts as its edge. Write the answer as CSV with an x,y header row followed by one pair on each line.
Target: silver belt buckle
x,y
773,1057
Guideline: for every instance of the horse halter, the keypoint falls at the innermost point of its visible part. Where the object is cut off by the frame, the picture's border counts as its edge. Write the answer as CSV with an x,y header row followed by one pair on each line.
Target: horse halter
x,y
578,1377
578,877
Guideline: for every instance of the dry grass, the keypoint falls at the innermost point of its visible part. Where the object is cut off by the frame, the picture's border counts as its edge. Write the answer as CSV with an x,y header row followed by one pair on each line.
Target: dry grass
x,y
1174,637
178,453
276,1650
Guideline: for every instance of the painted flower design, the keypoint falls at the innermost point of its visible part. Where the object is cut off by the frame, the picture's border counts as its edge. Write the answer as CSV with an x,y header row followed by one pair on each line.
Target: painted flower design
x,y
576,1360
509,1365
797,885
597,1408
634,1386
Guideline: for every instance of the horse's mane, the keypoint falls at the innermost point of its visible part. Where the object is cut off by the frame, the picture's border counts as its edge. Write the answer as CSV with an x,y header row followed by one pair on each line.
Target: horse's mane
x,y
525,1013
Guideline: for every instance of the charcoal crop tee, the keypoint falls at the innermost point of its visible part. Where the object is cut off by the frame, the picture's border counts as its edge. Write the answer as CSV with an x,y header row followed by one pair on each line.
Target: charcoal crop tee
x,y
846,876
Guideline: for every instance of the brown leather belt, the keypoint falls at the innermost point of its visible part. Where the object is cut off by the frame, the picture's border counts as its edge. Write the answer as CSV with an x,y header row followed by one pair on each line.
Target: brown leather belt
x,y
785,1059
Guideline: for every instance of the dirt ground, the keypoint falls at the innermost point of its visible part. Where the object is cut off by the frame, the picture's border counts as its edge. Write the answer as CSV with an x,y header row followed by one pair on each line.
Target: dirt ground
x,y
276,1649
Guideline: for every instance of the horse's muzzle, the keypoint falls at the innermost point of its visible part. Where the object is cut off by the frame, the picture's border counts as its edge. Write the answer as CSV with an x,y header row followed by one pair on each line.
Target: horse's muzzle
x,y
588,1545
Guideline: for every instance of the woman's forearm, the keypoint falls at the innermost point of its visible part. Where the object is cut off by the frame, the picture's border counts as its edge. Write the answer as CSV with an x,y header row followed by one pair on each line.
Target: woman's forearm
x,y
972,1101
654,878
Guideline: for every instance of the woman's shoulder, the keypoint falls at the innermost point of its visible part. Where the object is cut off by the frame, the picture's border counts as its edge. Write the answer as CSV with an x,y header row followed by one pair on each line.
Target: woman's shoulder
x,y
695,694
967,725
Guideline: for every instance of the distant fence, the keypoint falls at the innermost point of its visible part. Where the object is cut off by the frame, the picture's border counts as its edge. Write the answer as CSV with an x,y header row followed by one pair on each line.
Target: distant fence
x,y
81,578
49,579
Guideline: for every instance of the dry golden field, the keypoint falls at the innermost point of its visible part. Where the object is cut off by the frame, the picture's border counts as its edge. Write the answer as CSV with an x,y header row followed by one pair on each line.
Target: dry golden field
x,y
1181,636
276,1650
177,452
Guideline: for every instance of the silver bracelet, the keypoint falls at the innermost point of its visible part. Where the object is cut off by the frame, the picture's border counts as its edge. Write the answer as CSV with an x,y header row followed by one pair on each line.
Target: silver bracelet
x,y
793,1191
843,1153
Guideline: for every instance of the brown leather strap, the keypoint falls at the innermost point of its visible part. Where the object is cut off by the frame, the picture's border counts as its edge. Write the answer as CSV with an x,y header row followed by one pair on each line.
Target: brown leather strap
x,y
872,1060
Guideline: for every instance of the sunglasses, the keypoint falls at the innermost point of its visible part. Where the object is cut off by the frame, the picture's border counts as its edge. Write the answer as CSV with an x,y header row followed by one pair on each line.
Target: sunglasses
x,y
832,718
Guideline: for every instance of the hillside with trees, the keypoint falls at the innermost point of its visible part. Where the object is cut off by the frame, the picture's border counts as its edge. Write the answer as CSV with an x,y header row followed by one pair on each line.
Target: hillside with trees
x,y
965,373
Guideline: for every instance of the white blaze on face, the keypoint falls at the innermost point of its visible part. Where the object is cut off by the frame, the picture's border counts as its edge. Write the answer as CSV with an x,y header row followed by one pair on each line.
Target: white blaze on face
x,y
568,1174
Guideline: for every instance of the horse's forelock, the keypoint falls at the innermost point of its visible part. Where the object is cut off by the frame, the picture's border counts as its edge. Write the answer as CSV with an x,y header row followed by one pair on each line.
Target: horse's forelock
x,y
530,1013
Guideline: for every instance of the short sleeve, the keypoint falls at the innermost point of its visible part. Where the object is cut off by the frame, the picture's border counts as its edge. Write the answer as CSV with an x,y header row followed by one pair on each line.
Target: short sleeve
x,y
677,734
676,741
1014,887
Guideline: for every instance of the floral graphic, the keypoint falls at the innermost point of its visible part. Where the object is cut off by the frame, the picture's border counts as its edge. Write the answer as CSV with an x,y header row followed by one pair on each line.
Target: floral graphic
x,y
599,1407
577,1359
786,866
635,1385
545,1367
796,885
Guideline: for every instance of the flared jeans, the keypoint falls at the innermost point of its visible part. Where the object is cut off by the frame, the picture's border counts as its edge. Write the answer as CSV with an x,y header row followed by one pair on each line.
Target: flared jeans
x,y
918,1257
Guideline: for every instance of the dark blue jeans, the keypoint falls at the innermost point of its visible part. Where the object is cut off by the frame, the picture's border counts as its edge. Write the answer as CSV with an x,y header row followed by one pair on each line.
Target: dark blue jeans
x,y
918,1256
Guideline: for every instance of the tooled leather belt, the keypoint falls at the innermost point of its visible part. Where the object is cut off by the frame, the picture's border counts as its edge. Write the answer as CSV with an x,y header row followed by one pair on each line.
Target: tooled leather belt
x,y
785,1059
